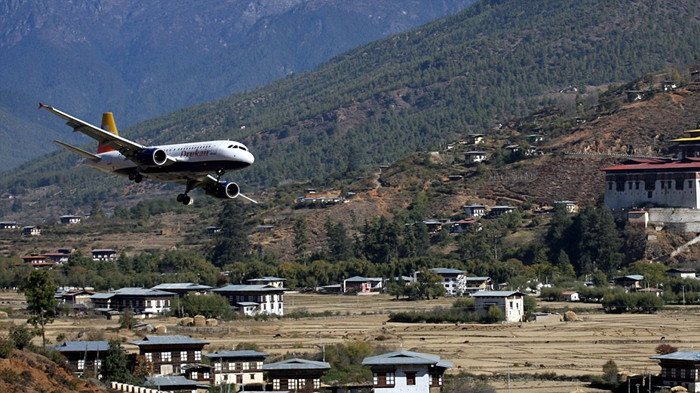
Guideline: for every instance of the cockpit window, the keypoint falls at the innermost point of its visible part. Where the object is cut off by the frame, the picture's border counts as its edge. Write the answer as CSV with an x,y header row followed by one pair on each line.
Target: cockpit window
x,y
237,147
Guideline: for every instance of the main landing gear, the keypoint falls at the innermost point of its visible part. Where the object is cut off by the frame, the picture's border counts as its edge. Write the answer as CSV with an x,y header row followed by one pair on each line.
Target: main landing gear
x,y
184,198
136,177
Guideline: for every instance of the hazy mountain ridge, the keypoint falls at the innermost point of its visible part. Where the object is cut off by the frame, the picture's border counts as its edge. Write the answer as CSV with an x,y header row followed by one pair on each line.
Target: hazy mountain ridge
x,y
414,91
143,59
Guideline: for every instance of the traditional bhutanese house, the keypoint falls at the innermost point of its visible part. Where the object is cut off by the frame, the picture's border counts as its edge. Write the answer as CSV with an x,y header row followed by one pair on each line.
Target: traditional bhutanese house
x,y
76,298
363,285
474,210
497,211
454,280
630,282
296,374
475,156
198,372
38,261
571,296
276,282
461,226
253,300
57,257
434,226
475,139
169,353
183,288
407,372
213,230
70,219
510,302
104,254
31,231
84,356
679,272
680,369
8,224
240,367
476,284
321,199
139,300
175,383
570,207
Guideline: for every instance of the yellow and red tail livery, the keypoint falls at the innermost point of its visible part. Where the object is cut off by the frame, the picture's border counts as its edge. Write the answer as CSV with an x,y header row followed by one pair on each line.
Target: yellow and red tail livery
x,y
108,124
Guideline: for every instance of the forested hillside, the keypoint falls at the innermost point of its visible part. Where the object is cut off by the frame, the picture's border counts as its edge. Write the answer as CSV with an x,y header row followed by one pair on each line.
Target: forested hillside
x,y
141,59
412,91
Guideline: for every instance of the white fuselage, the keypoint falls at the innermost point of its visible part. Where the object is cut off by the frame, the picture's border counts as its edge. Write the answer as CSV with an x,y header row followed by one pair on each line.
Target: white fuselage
x,y
191,160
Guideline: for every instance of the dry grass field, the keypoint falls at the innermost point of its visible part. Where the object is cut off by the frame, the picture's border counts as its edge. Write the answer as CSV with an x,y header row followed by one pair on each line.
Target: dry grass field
x,y
565,348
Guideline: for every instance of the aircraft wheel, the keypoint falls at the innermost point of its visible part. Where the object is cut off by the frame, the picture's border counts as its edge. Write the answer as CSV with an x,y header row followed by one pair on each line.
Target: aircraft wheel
x,y
132,176
138,177
186,200
180,197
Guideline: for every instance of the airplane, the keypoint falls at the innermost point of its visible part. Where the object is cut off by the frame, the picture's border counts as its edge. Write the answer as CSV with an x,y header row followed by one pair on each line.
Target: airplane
x,y
190,164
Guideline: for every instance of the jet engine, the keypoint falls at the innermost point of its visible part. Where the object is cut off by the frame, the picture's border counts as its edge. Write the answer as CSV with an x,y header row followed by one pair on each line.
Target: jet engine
x,y
223,190
152,156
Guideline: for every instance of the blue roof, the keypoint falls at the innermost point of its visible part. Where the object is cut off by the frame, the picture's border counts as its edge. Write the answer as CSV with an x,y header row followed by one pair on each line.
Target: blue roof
x,y
363,279
182,285
164,382
442,270
405,358
248,288
163,340
297,364
83,346
236,354
497,293
680,355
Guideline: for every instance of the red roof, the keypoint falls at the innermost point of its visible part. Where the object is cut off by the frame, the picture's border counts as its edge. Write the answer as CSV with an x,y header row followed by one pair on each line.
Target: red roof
x,y
691,163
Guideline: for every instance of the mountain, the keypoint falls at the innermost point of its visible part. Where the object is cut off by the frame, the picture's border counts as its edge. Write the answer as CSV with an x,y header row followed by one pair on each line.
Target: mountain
x,y
410,92
141,59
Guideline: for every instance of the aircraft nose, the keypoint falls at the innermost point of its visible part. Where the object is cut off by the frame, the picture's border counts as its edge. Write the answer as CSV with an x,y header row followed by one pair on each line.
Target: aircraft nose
x,y
249,158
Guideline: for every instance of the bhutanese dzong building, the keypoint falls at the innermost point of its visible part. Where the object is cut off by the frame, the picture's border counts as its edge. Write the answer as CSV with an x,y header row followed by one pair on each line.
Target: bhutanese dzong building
x,y
667,189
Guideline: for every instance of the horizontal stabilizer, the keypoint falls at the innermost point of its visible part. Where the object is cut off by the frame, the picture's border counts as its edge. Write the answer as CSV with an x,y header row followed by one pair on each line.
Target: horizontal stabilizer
x,y
81,152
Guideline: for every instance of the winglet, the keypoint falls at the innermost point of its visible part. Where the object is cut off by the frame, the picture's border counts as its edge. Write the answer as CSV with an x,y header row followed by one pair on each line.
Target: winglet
x,y
40,105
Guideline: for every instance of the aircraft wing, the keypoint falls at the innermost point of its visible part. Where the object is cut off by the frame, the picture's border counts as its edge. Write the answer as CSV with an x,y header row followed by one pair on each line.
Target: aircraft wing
x,y
123,145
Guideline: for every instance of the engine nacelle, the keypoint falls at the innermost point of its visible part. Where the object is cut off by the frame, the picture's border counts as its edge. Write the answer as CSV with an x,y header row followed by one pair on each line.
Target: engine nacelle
x,y
152,157
224,190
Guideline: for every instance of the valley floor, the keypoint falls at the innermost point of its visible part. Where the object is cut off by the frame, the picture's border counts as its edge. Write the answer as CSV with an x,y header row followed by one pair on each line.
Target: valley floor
x,y
568,349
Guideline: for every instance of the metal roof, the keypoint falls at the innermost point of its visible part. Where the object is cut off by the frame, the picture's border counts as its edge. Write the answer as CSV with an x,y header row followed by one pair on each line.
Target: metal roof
x,y
267,278
441,270
405,358
363,279
163,382
248,288
181,285
496,293
142,292
82,346
163,340
297,364
236,354
680,355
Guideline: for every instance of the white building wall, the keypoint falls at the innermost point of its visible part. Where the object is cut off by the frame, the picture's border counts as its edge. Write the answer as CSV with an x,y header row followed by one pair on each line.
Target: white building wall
x,y
400,386
664,193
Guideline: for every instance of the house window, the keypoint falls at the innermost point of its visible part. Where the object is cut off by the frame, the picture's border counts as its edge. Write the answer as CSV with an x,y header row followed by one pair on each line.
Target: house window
x,y
245,366
435,379
292,384
166,356
410,378
197,356
194,375
149,356
301,384
317,383
205,375
693,374
276,384
682,373
217,366
81,364
673,372
183,356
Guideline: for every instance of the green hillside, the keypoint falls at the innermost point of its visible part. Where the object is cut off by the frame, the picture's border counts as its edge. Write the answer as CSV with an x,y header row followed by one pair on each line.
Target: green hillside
x,y
412,91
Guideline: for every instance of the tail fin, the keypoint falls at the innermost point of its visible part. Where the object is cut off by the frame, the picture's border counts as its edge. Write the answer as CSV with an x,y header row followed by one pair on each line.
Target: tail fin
x,y
108,124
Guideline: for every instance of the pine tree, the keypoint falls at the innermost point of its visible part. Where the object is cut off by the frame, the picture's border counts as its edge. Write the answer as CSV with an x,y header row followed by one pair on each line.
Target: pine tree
x,y
232,244
39,289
